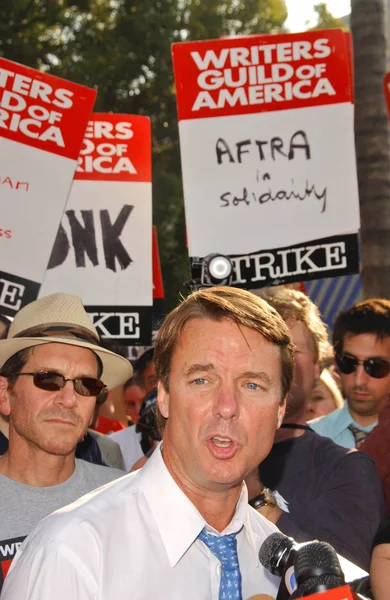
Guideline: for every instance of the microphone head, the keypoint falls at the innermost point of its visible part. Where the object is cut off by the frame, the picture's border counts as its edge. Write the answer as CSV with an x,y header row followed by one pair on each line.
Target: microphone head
x,y
317,568
274,552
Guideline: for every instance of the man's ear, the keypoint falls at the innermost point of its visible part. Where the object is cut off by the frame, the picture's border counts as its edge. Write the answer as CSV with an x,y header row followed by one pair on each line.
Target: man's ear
x,y
163,400
5,405
281,411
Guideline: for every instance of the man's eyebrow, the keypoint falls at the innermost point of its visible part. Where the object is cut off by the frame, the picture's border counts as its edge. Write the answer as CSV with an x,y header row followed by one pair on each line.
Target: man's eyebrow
x,y
257,375
195,368
352,355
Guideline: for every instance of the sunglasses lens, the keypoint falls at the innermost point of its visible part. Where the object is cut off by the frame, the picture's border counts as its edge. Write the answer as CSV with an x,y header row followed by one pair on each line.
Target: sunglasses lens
x,y
377,367
89,386
346,364
49,381
374,367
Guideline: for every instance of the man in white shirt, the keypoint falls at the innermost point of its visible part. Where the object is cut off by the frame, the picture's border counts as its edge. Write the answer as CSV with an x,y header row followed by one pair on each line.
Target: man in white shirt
x,y
224,362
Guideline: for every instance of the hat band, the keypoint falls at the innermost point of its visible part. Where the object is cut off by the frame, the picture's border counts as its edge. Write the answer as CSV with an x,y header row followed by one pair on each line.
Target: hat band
x,y
65,331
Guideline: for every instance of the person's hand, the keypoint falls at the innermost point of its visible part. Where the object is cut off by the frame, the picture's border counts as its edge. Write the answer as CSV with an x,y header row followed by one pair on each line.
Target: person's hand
x,y
272,513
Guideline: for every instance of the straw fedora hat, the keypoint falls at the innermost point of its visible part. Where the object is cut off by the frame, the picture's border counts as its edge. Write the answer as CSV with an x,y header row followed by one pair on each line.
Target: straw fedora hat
x,y
62,318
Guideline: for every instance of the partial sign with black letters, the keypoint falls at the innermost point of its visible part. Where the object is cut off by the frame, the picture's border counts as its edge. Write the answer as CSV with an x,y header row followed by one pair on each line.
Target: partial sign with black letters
x,y
268,157
42,125
103,250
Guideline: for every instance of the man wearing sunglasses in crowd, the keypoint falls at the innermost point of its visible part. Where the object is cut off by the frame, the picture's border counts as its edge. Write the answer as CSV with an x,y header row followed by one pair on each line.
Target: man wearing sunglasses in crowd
x,y
361,341
52,368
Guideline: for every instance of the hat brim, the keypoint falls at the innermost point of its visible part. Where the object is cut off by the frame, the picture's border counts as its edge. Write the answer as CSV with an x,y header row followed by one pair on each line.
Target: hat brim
x,y
116,369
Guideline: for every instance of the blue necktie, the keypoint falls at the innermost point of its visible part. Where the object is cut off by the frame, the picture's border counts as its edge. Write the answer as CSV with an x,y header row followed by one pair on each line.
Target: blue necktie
x,y
225,549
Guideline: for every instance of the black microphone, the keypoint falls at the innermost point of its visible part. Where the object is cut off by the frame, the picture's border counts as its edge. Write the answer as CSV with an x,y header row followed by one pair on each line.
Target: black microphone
x,y
277,556
317,569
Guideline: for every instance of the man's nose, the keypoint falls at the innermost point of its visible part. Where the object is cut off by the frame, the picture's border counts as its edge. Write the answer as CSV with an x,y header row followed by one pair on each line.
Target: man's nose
x,y
361,377
67,396
227,405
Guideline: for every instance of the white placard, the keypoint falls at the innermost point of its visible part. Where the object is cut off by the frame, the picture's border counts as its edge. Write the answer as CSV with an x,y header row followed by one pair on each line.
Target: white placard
x,y
268,158
42,125
103,250
243,194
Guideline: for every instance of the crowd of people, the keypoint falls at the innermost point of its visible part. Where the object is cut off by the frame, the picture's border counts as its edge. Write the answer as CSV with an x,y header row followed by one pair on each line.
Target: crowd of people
x,y
243,420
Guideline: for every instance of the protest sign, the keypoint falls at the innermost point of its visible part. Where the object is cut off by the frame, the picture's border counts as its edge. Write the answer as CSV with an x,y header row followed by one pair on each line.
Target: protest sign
x,y
268,156
103,250
42,124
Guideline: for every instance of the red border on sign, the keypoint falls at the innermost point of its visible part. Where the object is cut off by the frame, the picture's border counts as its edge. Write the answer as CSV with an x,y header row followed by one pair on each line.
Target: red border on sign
x,y
386,88
158,287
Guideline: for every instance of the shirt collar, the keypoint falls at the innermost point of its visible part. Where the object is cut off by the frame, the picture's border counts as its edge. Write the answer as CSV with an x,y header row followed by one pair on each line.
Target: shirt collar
x,y
179,533
344,420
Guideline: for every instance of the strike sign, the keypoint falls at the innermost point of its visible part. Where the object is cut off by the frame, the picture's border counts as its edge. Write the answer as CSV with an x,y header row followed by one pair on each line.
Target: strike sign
x,y
103,250
42,124
268,157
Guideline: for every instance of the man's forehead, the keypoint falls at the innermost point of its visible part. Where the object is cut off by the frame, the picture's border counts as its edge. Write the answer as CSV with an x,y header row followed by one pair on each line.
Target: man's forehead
x,y
52,352
134,392
217,341
355,340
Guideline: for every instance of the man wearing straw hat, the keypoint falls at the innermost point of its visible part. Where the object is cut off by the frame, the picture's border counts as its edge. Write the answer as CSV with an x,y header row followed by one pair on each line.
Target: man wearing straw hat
x,y
52,367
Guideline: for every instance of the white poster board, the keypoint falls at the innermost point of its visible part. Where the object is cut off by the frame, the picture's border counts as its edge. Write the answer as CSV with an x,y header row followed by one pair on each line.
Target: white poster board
x,y
103,251
42,124
267,144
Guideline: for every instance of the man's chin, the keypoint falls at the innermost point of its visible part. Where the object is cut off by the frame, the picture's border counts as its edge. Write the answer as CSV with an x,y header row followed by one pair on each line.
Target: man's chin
x,y
59,446
364,408
226,478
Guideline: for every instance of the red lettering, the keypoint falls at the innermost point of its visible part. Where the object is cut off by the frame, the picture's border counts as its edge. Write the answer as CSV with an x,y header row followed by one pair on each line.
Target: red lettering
x,y
16,185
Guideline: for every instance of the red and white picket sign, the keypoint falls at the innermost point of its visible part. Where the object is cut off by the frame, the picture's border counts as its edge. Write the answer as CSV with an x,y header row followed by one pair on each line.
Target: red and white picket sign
x,y
42,125
267,143
386,89
103,250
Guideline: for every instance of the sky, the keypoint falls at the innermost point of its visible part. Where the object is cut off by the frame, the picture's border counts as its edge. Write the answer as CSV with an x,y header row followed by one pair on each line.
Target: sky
x,y
300,11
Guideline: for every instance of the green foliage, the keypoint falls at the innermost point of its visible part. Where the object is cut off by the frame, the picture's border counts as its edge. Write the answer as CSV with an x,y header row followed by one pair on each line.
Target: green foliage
x,y
31,30
123,48
214,18
325,20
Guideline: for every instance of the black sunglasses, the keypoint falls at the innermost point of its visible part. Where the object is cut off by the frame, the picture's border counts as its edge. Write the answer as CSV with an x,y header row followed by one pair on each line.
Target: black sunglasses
x,y
50,381
374,367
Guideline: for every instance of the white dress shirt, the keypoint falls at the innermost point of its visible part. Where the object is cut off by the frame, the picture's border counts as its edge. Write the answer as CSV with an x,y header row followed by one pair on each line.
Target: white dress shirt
x,y
135,538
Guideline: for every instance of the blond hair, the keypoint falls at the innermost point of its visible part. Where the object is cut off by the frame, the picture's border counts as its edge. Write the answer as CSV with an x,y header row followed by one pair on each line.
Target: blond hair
x,y
292,304
328,378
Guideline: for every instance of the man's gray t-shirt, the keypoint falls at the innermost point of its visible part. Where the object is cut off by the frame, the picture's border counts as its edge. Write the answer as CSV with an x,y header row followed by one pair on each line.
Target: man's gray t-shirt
x,y
23,506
